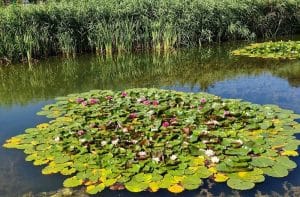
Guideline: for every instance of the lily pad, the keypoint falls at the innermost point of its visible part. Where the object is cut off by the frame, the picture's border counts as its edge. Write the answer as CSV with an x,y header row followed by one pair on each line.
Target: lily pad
x,y
275,50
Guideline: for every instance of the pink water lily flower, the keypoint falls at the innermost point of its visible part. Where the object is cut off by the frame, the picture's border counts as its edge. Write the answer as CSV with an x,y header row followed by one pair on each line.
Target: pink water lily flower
x,y
93,101
124,94
80,132
165,124
155,102
79,100
109,98
133,115
84,103
203,100
173,120
146,102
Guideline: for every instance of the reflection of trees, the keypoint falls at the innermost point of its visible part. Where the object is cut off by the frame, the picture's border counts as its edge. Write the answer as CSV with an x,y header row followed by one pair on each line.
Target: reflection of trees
x,y
203,67
291,73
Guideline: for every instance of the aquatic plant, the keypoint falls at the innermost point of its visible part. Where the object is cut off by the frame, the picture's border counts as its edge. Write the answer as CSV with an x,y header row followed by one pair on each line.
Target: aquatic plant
x,y
148,139
276,50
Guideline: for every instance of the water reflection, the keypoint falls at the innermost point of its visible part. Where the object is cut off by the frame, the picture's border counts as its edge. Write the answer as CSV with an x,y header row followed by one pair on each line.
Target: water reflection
x,y
197,68
24,90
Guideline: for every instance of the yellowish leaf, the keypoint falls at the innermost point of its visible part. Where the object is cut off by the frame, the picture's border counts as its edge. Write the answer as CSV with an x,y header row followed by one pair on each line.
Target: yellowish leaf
x,y
290,153
42,126
154,186
176,189
212,170
220,177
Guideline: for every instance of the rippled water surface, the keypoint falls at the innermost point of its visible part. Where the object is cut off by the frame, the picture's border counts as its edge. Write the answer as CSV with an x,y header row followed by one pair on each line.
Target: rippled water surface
x,y
24,90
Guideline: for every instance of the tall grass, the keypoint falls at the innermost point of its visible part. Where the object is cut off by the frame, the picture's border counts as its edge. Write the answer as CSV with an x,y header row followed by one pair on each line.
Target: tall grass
x,y
115,26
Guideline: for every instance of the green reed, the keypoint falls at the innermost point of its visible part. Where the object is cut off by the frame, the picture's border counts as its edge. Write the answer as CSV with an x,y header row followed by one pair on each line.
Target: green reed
x,y
116,26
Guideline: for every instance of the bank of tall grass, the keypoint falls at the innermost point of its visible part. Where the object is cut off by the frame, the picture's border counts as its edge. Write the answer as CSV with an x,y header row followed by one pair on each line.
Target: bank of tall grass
x,y
114,26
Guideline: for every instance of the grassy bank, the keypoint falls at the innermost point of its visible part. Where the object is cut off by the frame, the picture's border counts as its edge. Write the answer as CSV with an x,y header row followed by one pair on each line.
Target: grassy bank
x,y
108,26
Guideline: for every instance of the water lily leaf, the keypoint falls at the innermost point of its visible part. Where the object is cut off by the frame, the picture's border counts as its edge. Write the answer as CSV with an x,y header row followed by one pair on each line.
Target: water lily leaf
x,y
262,162
133,186
39,162
276,171
94,189
154,186
203,172
239,184
72,182
290,153
238,151
220,177
68,171
32,157
285,161
176,189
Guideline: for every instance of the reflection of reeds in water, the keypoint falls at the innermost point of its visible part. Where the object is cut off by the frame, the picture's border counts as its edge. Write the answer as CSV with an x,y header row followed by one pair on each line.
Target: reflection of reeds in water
x,y
202,68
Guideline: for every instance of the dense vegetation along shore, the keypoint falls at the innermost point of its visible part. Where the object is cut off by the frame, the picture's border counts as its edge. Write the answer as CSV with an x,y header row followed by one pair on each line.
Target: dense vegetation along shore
x,y
70,27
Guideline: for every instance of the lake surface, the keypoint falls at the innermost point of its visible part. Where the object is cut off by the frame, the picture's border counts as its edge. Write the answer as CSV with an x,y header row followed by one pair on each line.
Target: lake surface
x,y
24,90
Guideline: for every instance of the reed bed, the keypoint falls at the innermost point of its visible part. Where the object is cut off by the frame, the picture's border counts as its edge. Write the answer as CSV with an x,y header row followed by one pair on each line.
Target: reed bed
x,y
36,31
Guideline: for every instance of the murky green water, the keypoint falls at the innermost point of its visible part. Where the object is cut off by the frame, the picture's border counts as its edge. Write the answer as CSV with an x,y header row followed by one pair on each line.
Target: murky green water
x,y
24,90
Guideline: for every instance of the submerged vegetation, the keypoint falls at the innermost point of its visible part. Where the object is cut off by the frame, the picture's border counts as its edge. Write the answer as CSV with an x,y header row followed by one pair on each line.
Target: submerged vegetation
x,y
68,27
276,50
148,139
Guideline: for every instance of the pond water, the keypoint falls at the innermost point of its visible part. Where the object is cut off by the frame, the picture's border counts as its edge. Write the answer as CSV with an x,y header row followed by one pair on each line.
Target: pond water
x,y
24,90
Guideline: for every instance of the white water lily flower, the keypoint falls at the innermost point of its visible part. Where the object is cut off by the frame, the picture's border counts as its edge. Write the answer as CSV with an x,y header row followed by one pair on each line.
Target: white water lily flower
x,y
103,143
114,142
215,159
134,141
173,157
212,122
156,159
205,132
239,141
209,153
82,140
151,112
142,153
56,139
141,99
205,141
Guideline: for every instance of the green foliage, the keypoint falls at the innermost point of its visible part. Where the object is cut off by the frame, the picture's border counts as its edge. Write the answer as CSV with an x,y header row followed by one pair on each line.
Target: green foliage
x,y
276,50
69,27
140,139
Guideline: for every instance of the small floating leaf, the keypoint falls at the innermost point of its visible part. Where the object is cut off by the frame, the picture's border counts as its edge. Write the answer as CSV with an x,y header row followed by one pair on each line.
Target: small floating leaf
x,y
239,184
72,182
176,189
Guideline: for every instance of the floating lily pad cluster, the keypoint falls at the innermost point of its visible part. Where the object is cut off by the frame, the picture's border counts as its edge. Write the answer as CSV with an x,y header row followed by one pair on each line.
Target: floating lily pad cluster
x,y
149,139
276,50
